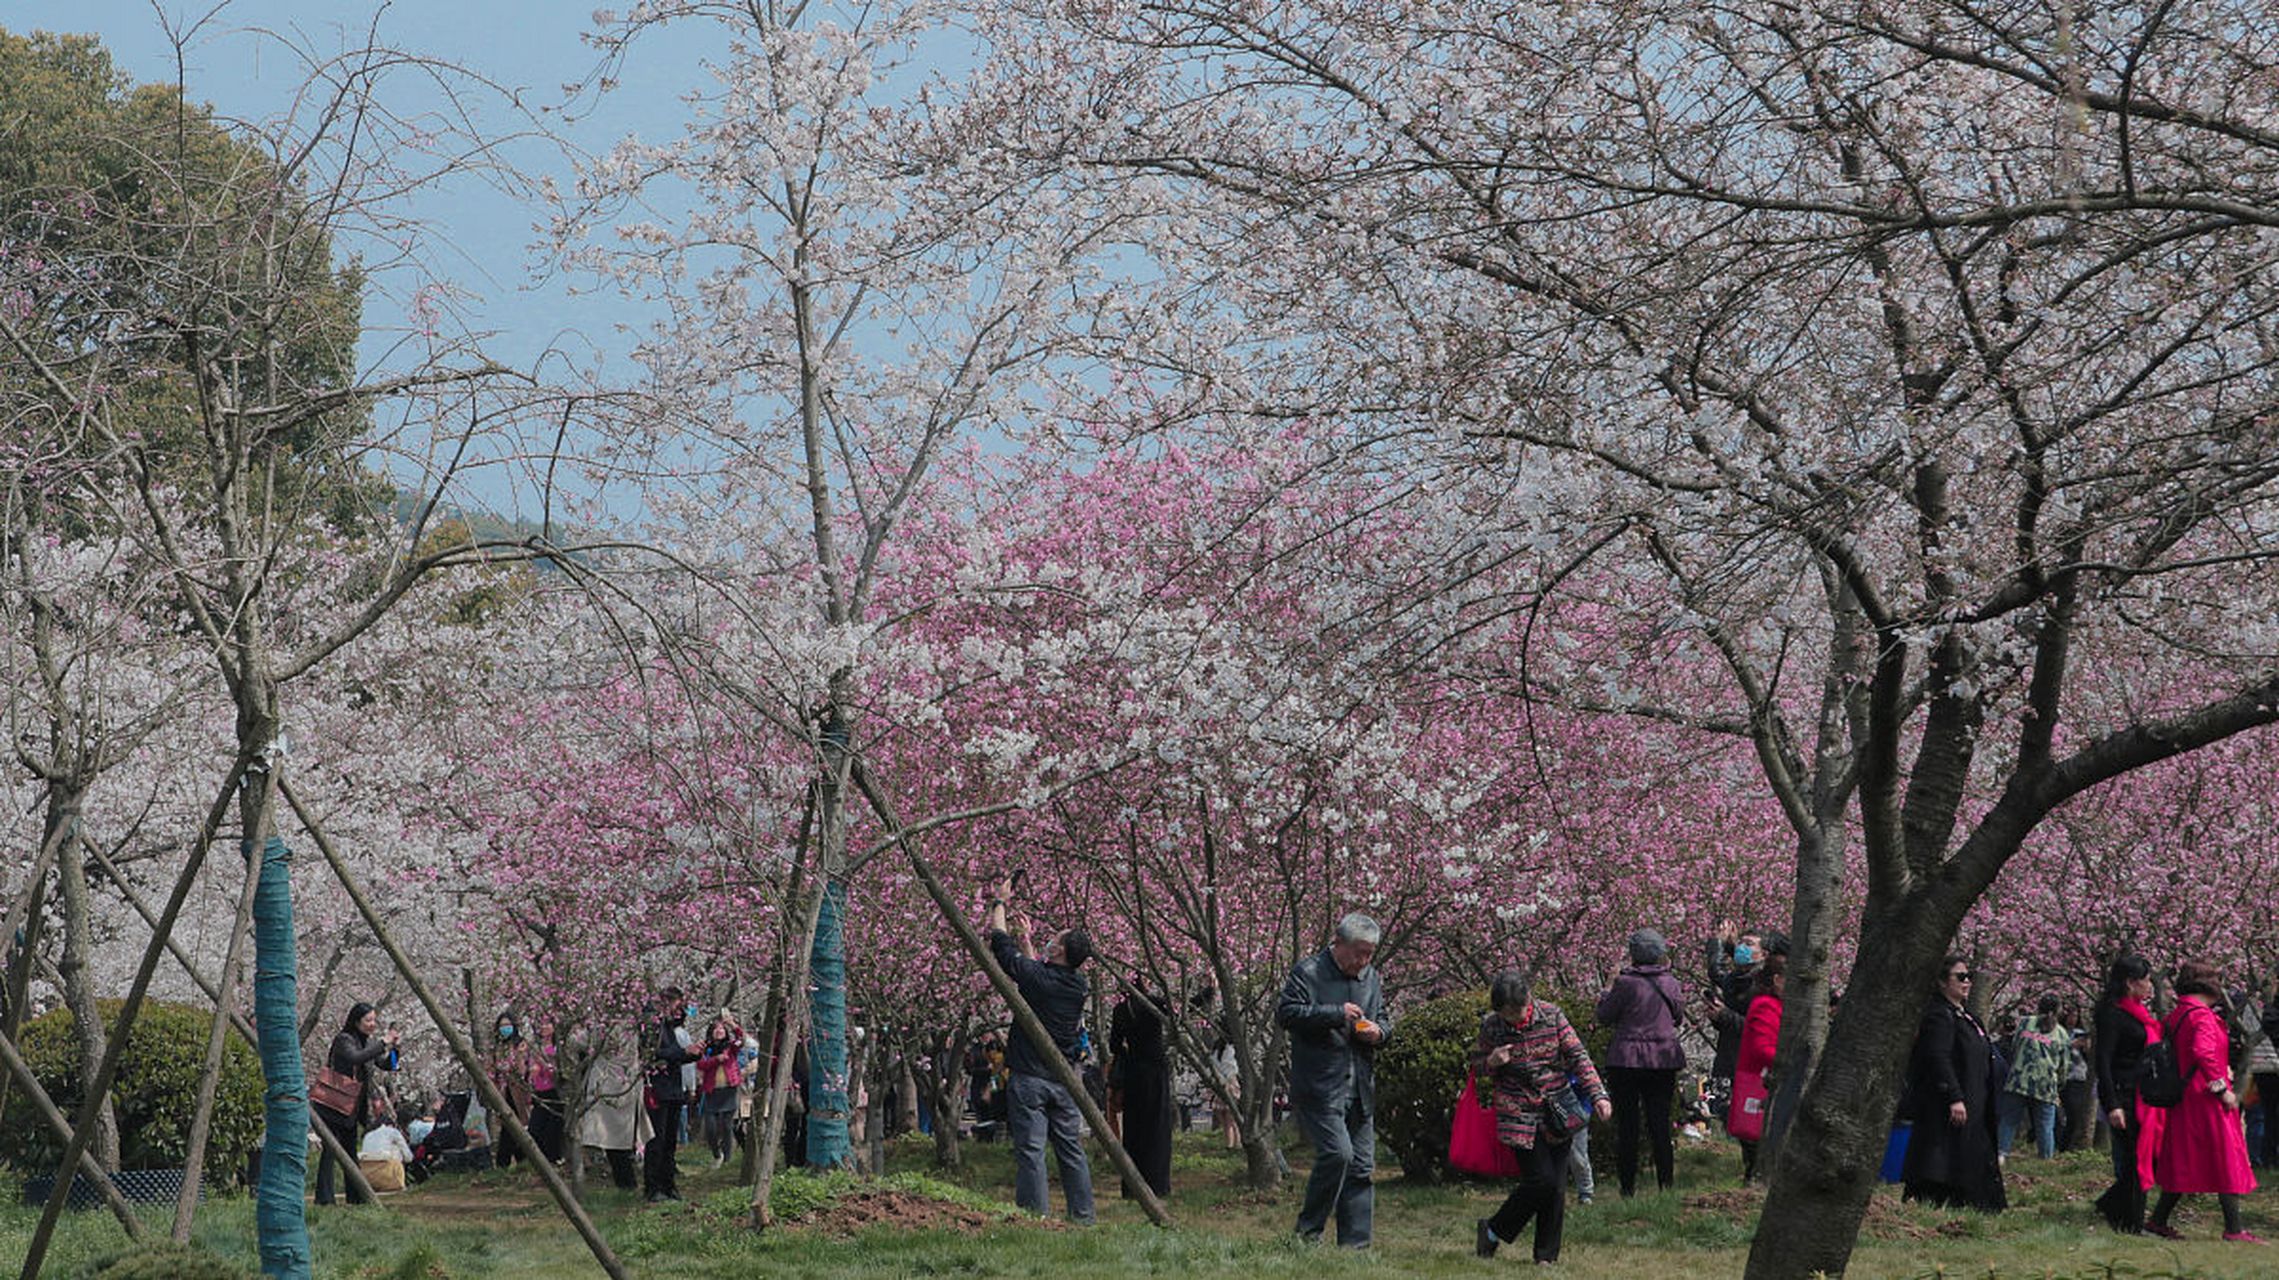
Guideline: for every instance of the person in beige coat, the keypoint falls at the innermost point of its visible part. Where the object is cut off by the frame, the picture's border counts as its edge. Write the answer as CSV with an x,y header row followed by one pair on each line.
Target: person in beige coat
x,y
611,1118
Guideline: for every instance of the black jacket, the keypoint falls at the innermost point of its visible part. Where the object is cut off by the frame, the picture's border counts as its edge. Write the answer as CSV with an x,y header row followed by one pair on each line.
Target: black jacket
x,y
1328,1067
2120,1046
1057,994
665,1072
1953,1062
354,1054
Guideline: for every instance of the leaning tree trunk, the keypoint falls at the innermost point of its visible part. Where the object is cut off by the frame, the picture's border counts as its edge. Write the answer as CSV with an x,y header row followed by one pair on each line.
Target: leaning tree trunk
x,y
1826,1171
62,828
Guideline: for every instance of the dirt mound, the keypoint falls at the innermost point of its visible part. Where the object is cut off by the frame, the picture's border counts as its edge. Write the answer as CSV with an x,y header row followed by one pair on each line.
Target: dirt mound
x,y
862,1209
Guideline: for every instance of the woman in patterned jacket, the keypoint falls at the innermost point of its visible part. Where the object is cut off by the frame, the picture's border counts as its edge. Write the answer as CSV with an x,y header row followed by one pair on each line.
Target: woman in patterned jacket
x,y
1529,1052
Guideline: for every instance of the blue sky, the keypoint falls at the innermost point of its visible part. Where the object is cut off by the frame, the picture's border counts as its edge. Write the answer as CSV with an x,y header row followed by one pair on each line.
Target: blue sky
x,y
479,237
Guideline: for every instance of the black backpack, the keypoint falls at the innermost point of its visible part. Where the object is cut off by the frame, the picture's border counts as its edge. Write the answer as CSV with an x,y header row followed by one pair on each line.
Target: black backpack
x,y
2159,1083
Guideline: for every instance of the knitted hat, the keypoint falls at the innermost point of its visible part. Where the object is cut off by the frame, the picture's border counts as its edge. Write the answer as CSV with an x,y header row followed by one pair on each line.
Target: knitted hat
x,y
1648,947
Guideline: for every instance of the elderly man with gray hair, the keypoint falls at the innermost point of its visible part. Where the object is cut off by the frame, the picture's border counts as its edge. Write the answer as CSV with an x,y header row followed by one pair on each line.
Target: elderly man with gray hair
x,y
1333,1006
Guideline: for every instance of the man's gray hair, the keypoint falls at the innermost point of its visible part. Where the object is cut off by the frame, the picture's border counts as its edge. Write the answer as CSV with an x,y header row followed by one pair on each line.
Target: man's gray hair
x,y
1356,927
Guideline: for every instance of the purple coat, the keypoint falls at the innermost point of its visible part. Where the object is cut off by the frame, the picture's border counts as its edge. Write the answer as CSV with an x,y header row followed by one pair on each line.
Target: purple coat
x,y
1642,1008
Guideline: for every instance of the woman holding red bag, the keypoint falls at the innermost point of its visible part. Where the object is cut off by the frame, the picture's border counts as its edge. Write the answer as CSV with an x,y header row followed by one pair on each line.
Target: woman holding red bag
x,y
1528,1052
1760,1036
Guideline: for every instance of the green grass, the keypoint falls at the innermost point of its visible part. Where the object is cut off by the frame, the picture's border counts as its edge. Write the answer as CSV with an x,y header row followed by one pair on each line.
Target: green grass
x,y
501,1225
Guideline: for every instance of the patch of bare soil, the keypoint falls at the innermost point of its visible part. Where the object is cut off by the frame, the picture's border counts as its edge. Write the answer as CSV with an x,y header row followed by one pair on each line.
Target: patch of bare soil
x,y
1731,1202
862,1209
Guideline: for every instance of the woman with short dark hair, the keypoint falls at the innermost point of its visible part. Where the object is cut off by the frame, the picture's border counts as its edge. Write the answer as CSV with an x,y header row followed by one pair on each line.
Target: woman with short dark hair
x,y
1525,1054
2205,1147
1950,1155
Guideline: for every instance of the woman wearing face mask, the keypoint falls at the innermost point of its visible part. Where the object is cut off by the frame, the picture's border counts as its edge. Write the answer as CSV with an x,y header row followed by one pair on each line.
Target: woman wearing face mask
x,y
1950,1156
511,1065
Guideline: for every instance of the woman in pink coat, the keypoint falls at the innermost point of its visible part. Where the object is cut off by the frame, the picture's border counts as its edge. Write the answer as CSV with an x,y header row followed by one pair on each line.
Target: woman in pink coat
x,y
2205,1146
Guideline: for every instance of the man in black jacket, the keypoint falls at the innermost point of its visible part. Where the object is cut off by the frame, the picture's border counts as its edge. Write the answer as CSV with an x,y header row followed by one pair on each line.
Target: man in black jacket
x,y
660,1173
1333,1006
1039,1103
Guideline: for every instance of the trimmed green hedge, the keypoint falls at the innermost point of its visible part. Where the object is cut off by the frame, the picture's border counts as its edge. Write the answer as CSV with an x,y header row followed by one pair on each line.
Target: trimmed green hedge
x,y
1419,1074
154,1094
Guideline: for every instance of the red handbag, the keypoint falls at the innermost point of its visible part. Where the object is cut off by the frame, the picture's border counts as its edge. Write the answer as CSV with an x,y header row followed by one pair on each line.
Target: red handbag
x,y
1473,1146
1746,1119
335,1091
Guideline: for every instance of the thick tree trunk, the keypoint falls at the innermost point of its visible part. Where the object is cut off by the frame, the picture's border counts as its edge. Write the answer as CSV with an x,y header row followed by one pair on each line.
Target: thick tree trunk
x,y
829,1107
1825,1172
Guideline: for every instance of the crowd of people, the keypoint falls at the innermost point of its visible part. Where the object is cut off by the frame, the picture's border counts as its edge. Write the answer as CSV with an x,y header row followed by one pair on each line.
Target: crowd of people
x,y
2186,1102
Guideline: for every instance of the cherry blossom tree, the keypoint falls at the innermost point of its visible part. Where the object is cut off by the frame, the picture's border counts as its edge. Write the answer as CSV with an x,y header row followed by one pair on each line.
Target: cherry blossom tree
x,y
1908,356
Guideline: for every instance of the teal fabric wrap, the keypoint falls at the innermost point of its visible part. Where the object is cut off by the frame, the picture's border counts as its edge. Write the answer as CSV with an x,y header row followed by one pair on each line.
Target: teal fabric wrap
x,y
827,1143
280,1218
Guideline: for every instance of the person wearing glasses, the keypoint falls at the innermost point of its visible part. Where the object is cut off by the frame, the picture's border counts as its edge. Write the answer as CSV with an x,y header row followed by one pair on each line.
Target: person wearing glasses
x,y
1951,1080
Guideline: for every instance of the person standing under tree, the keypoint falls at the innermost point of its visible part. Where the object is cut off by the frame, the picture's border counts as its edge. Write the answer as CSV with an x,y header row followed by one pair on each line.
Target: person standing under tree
x,y
1333,1006
1038,1105
355,1051
660,1162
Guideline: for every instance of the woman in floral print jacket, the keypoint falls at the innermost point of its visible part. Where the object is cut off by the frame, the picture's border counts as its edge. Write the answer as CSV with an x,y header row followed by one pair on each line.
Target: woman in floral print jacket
x,y
1527,1051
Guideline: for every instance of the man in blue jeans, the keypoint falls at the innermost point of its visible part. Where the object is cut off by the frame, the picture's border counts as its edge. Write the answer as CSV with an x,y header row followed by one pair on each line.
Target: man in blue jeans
x,y
1038,1105
1333,1006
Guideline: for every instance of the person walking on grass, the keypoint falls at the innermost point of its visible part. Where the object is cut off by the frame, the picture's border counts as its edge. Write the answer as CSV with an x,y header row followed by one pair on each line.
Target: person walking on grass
x,y
2036,1078
1333,1006
2204,1148
1039,1107
669,1051
1543,1090
2125,1029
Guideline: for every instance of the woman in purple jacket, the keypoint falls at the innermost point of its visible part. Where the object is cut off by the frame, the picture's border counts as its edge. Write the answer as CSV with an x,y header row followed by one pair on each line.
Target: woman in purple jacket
x,y
1642,1063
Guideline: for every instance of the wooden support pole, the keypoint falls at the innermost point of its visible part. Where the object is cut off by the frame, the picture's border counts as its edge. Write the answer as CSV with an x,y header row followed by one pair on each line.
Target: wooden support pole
x,y
217,1042
460,1048
30,1084
83,1125
1023,1016
238,1022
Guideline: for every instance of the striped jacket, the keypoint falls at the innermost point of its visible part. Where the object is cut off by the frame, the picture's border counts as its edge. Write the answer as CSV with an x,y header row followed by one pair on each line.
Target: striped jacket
x,y
1549,1052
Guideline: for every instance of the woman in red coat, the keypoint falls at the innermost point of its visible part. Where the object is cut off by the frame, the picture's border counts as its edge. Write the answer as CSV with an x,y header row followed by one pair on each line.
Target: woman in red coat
x,y
1760,1036
2205,1146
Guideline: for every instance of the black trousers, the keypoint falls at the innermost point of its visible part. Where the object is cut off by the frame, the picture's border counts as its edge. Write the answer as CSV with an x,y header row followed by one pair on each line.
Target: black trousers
x,y
2267,1098
344,1129
621,1168
1541,1195
660,1168
2123,1202
1642,1095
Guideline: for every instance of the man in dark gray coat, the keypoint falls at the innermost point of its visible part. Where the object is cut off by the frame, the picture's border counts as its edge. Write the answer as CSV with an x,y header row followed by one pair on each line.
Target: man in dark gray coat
x,y
1333,1006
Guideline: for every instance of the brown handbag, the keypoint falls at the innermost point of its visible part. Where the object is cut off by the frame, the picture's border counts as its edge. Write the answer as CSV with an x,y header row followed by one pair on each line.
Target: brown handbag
x,y
335,1091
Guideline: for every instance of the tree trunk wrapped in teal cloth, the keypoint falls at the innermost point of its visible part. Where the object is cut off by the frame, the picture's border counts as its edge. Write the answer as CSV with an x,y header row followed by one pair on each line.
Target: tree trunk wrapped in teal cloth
x,y
280,1218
